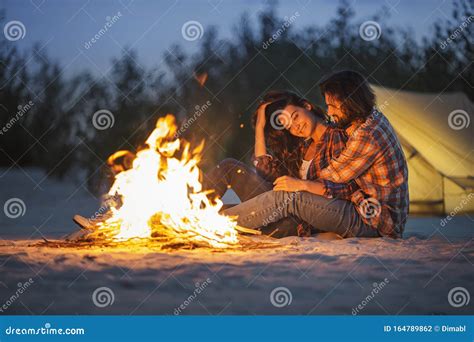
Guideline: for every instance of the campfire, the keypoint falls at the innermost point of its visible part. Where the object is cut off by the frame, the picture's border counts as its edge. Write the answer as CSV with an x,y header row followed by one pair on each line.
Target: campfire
x,y
162,198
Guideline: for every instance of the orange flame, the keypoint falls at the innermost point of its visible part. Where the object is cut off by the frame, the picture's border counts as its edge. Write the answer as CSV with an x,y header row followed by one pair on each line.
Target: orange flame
x,y
161,195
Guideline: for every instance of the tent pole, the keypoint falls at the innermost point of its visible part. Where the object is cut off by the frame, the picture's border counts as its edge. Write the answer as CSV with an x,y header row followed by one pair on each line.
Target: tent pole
x,y
443,194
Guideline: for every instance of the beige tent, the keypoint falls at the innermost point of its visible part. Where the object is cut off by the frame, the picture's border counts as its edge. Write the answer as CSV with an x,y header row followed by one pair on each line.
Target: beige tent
x,y
437,136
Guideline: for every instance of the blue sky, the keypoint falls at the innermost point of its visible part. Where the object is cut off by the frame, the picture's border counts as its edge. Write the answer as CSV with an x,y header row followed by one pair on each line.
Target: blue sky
x,y
150,27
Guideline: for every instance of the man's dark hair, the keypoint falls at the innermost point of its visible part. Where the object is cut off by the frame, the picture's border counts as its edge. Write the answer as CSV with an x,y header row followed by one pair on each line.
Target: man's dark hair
x,y
352,90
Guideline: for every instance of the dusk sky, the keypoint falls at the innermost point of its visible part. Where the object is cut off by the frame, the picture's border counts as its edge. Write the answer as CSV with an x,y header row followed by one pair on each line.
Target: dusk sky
x,y
150,27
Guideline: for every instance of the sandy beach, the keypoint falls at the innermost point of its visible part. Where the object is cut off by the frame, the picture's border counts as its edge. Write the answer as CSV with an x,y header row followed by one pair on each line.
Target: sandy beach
x,y
296,276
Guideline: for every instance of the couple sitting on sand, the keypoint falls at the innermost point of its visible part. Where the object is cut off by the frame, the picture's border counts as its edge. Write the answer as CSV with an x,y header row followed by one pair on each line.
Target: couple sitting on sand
x,y
348,177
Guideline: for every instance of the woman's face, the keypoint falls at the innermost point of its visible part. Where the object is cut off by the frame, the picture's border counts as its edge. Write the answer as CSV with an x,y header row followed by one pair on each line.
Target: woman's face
x,y
299,121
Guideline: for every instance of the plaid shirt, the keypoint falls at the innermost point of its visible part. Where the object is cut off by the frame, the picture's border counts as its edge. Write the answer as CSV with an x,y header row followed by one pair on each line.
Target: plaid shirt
x,y
374,159
330,145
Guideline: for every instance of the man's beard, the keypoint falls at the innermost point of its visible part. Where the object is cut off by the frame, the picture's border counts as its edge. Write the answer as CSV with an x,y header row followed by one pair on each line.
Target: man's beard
x,y
343,123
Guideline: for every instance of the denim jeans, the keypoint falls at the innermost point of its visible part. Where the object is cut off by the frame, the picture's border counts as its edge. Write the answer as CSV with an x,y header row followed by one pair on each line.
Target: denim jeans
x,y
325,214
246,183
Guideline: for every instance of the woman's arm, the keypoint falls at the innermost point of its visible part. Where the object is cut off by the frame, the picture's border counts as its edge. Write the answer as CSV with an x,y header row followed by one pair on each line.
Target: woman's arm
x,y
260,148
287,183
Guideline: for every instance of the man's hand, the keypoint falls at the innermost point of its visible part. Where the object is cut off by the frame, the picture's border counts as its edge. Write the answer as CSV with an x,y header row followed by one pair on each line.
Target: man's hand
x,y
287,183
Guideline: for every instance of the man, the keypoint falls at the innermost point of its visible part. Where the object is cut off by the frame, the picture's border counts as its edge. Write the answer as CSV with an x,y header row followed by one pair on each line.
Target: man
x,y
372,158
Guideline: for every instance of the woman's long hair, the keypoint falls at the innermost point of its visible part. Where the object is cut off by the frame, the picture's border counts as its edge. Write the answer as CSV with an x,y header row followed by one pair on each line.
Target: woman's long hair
x,y
287,149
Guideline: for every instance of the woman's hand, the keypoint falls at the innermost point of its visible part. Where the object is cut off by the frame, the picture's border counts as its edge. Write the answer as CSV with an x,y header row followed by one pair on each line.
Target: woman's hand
x,y
287,183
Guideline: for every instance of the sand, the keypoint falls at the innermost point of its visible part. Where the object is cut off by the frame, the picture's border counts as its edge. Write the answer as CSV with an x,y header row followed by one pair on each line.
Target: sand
x,y
312,276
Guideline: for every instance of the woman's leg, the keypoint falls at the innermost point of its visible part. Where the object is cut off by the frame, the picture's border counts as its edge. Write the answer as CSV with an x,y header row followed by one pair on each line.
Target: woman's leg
x,y
247,184
331,215
231,173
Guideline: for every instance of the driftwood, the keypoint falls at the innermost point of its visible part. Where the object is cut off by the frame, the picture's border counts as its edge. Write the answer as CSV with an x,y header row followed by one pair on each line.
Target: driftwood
x,y
244,244
248,230
162,243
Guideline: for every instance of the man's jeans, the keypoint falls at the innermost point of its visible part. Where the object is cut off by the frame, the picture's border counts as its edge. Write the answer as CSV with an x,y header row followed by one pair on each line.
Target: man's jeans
x,y
330,215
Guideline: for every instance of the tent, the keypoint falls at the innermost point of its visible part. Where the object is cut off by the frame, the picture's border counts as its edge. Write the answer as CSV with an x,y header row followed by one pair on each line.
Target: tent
x,y
437,136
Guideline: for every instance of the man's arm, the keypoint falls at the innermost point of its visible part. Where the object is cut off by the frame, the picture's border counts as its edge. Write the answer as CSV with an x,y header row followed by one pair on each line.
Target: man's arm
x,y
360,153
339,190
318,187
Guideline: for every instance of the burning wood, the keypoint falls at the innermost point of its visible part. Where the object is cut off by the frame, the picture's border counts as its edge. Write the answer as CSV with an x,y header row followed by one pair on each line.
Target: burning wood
x,y
162,197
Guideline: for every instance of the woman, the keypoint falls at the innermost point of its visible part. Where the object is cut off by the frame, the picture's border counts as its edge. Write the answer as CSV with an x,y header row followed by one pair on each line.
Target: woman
x,y
292,138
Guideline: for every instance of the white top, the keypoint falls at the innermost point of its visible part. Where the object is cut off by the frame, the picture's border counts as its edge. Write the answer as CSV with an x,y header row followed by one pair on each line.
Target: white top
x,y
304,168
